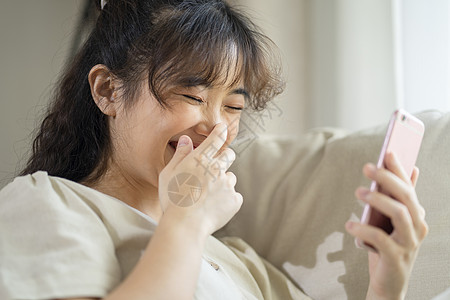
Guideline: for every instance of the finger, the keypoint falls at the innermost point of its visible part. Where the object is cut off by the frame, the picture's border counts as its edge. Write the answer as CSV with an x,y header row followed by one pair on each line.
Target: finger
x,y
393,186
232,130
397,212
184,147
399,190
234,202
386,180
415,176
374,236
422,230
239,200
393,164
232,179
214,142
226,158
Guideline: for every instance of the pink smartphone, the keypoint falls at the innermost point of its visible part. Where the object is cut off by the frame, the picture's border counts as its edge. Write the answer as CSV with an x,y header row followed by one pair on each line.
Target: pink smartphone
x,y
404,137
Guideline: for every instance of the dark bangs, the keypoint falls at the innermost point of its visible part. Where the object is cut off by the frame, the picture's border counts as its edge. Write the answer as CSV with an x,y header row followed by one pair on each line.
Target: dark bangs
x,y
210,45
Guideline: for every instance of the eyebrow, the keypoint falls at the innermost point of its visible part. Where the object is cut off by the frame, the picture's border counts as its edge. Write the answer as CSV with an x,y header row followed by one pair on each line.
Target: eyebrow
x,y
240,91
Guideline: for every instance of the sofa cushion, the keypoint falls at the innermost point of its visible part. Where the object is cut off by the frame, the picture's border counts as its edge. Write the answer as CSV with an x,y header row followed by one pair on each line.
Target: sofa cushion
x,y
299,192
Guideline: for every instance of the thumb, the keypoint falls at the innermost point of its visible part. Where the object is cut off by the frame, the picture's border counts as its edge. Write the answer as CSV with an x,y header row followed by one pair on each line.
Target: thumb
x,y
415,176
184,147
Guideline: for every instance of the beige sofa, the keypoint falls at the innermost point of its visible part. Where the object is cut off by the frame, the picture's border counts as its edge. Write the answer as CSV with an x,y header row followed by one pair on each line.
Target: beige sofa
x,y
299,192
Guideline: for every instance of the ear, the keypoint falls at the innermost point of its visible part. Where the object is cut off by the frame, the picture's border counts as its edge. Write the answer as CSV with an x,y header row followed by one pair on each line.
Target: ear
x,y
103,89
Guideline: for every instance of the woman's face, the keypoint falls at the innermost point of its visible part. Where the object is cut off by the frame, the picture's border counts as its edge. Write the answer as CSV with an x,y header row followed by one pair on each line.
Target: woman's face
x,y
144,136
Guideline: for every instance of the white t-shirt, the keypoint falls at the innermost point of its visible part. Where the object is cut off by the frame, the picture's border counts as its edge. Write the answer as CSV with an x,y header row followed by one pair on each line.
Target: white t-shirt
x,y
60,239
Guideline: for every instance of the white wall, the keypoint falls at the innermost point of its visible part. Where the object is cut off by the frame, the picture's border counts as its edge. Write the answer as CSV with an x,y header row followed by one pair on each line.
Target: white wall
x,y
369,57
424,53
34,39
351,67
285,23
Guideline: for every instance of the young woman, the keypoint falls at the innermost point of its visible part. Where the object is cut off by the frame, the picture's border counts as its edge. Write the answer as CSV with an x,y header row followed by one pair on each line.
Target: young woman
x,y
128,177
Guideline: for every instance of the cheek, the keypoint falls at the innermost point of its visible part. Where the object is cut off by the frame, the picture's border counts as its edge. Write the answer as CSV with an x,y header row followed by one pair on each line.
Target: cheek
x,y
183,115
179,119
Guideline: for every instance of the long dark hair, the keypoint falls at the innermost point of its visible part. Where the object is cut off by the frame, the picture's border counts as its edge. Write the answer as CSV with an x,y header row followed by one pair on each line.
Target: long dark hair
x,y
168,42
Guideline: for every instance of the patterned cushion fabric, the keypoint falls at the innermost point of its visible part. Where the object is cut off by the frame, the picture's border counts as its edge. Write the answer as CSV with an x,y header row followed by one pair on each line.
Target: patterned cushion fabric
x,y
299,192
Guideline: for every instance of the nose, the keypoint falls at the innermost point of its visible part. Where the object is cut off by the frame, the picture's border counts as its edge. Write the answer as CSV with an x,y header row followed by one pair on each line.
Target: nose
x,y
208,121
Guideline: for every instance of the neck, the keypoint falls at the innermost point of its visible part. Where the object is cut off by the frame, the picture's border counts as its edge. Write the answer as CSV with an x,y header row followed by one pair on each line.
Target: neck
x,y
137,194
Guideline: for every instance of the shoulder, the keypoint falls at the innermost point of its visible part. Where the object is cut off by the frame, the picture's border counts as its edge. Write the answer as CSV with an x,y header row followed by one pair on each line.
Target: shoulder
x,y
42,201
36,192
25,190
32,182
50,204
52,242
52,199
31,185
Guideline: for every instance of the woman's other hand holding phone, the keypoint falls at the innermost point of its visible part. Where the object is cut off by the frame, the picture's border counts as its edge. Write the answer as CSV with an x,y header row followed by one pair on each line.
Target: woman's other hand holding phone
x,y
391,267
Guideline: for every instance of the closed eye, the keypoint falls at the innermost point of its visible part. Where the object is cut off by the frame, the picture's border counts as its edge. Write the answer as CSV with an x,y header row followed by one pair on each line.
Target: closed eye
x,y
193,98
235,108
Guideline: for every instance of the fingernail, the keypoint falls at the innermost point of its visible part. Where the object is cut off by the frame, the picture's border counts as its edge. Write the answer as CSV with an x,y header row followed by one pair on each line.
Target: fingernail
x,y
371,168
349,225
183,141
363,193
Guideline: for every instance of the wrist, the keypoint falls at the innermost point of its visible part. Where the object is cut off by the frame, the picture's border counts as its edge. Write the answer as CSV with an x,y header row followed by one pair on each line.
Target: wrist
x,y
372,295
180,220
